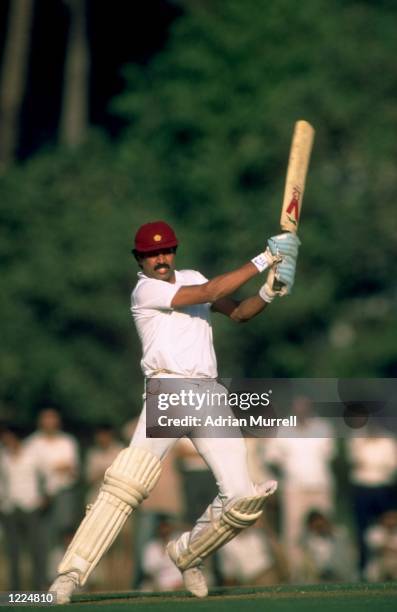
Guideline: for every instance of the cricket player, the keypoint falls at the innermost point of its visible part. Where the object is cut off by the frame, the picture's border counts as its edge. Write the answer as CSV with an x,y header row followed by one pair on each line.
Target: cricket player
x,y
171,309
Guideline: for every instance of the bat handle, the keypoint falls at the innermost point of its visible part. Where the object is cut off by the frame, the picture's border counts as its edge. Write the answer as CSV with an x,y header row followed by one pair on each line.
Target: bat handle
x,y
277,285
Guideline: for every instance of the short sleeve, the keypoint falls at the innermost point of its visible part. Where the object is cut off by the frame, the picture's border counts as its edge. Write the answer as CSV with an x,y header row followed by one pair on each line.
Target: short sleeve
x,y
199,279
156,294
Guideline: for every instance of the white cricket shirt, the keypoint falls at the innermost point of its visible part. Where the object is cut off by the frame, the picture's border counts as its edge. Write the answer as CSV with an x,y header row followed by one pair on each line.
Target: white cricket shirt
x,y
176,342
52,453
19,481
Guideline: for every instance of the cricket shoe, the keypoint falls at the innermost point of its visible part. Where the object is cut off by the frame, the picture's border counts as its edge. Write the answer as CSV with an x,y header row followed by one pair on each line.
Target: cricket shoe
x,y
193,578
64,586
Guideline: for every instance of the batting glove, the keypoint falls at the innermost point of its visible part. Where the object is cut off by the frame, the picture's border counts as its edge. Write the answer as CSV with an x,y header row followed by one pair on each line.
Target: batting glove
x,y
266,260
287,246
285,275
266,292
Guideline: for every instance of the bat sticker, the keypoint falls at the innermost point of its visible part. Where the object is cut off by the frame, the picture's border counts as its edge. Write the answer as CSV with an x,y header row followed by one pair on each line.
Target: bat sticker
x,y
293,206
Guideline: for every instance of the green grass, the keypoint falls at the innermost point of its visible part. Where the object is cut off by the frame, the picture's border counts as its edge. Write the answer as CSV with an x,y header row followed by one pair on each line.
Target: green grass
x,y
314,598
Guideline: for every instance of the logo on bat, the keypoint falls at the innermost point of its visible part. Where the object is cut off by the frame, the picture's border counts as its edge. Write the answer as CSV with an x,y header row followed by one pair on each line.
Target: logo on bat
x,y
293,207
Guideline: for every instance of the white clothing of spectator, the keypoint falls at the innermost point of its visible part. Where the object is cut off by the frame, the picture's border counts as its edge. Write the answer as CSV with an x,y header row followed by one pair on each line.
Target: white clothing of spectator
x,y
373,472
327,551
246,559
381,540
373,460
57,453
306,475
20,480
21,501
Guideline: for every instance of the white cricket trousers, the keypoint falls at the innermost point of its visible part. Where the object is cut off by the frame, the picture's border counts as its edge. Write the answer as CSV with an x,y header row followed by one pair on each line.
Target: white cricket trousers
x,y
226,457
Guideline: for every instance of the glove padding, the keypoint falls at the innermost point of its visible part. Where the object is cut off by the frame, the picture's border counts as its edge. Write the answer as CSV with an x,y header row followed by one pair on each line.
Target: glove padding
x,y
287,246
284,244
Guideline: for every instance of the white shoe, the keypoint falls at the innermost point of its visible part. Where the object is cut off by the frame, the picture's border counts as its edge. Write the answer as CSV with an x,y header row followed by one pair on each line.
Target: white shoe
x,y
193,578
64,586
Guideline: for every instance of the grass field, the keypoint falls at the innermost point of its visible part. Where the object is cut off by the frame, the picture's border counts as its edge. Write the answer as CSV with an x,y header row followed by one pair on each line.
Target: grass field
x,y
315,598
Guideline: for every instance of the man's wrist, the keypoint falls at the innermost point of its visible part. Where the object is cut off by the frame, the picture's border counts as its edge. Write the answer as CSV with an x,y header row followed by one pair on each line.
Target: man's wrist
x,y
266,294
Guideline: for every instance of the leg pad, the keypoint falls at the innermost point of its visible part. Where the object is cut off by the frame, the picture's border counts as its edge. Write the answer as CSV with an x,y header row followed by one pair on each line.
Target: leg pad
x,y
128,481
237,515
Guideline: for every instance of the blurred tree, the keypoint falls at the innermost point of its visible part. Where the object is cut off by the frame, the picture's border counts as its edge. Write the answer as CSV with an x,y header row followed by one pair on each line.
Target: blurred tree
x,y
67,222
13,77
209,127
74,114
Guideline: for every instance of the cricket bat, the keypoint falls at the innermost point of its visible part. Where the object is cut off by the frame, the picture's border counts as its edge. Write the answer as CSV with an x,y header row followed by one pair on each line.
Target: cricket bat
x,y
298,163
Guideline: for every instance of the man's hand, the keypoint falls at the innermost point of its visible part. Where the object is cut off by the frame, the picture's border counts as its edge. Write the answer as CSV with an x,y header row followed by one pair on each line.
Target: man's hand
x,y
266,292
285,245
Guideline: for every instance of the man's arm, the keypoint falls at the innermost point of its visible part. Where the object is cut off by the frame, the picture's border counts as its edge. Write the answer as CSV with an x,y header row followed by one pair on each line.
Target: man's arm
x,y
250,307
216,288
240,311
226,284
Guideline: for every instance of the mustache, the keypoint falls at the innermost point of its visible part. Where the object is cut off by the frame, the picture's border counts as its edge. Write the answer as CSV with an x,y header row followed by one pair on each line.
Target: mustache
x,y
161,265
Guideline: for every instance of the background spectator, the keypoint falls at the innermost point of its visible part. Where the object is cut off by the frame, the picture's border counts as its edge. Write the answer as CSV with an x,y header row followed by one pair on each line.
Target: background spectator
x,y
159,571
327,550
99,457
21,501
248,559
381,540
57,454
303,464
373,462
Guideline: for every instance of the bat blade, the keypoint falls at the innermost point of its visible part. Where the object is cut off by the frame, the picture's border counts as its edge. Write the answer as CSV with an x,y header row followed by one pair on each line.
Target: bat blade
x,y
299,157
298,164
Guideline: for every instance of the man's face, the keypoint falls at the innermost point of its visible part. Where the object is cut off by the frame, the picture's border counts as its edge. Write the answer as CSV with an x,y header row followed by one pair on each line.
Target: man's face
x,y
104,438
159,264
49,421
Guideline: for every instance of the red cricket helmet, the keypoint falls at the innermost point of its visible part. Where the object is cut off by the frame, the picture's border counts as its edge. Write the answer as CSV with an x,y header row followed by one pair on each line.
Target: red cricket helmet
x,y
154,236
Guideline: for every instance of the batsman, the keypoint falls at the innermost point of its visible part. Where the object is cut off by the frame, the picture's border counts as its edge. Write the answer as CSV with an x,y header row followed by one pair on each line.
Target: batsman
x,y
172,312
